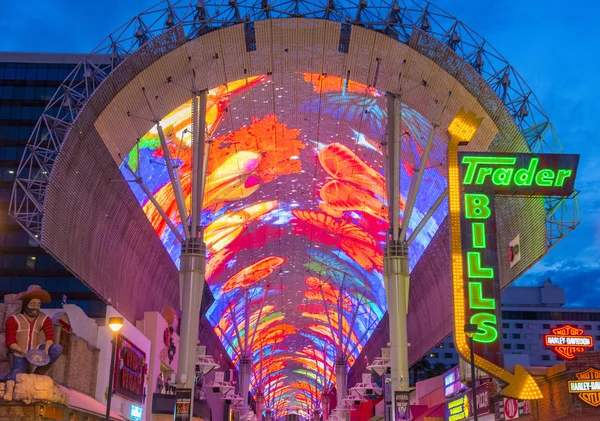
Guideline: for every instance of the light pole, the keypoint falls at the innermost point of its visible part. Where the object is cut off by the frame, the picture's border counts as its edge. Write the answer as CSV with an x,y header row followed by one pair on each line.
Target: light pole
x,y
471,330
115,324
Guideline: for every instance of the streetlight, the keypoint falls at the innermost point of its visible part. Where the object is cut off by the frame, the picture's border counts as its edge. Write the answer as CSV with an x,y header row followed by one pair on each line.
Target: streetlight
x,y
115,324
471,330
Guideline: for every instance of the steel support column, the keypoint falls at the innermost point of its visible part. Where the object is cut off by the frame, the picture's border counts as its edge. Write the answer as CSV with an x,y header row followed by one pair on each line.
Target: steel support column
x,y
325,402
341,379
395,260
191,274
260,405
396,276
244,378
193,250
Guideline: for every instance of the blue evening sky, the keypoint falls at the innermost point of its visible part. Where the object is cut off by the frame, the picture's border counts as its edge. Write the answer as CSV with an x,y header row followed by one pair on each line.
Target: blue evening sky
x,y
553,45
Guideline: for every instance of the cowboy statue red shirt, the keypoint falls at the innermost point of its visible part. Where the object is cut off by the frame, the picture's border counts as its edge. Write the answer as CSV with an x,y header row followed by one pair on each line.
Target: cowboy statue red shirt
x,y
29,334
26,332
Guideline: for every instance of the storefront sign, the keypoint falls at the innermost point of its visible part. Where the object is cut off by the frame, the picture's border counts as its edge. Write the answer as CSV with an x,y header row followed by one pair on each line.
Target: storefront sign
x,y
458,409
511,409
474,179
130,370
587,386
452,382
401,402
135,412
183,405
462,408
567,341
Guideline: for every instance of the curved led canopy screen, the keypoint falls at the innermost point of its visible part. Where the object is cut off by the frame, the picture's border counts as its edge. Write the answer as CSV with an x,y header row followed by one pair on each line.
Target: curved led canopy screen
x,y
295,218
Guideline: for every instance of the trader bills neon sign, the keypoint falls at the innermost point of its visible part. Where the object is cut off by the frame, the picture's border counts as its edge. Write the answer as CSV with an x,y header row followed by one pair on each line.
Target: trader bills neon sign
x,y
483,177
474,179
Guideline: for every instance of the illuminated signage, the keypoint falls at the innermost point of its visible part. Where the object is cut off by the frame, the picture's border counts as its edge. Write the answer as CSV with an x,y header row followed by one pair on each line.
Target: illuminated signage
x,y
458,409
462,408
183,404
452,382
484,176
135,413
130,370
567,341
587,386
520,174
474,179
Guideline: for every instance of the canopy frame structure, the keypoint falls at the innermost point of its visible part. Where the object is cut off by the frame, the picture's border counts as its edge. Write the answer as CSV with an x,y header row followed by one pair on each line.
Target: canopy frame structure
x,y
169,25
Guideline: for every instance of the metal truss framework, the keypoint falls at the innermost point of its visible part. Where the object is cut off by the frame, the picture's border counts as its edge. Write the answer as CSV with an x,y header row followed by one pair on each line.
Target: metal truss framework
x,y
170,24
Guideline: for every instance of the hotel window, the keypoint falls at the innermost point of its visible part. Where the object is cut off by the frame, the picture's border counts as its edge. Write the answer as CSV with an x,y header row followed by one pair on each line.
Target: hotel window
x,y
451,345
507,346
587,327
434,355
30,262
516,336
448,355
520,346
519,325
545,358
504,335
546,326
441,345
505,325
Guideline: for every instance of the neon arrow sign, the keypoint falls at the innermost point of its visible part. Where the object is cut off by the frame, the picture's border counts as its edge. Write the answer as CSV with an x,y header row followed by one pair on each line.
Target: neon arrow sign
x,y
473,181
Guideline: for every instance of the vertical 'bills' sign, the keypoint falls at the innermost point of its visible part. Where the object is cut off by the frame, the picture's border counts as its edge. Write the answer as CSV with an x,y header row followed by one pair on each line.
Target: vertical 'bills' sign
x,y
483,176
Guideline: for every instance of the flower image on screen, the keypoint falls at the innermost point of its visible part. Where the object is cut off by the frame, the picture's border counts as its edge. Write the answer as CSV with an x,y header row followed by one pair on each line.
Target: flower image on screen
x,y
295,217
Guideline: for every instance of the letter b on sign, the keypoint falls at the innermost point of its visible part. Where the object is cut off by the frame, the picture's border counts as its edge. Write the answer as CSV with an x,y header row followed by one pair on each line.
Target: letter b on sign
x,y
477,206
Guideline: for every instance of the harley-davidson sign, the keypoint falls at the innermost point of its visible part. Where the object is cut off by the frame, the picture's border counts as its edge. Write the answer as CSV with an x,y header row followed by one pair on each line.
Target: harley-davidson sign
x,y
587,386
567,341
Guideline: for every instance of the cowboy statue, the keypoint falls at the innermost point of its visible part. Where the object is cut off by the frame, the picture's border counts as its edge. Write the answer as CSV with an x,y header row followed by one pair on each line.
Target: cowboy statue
x,y
30,338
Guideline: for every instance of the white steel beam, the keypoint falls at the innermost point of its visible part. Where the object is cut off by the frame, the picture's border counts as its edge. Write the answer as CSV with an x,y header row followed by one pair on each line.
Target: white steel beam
x,y
198,160
175,181
427,217
415,182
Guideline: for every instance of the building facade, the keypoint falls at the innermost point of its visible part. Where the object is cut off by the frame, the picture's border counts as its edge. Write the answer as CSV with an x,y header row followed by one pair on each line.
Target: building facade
x,y
27,82
528,313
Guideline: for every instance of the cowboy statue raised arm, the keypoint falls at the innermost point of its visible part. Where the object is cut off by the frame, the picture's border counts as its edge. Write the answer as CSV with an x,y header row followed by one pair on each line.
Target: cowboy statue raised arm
x,y
30,337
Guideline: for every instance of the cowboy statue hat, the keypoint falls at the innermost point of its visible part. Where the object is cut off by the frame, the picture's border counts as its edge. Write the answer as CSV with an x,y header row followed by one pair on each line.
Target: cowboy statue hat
x,y
35,291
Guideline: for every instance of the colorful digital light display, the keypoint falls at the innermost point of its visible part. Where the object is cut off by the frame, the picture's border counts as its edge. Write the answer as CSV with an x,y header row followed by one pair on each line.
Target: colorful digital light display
x,y
295,217
473,180
568,341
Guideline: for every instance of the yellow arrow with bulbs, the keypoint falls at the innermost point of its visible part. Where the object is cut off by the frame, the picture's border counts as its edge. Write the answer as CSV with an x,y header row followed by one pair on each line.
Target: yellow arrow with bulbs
x,y
520,384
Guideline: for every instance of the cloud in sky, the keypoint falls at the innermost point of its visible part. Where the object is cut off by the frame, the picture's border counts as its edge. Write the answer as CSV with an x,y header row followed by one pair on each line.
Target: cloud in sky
x,y
579,278
550,43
